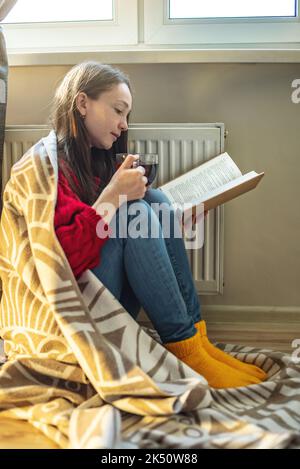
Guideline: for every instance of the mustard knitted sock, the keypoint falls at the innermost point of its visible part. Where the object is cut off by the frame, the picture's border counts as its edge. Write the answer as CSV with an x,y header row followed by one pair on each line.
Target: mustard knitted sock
x,y
219,375
218,354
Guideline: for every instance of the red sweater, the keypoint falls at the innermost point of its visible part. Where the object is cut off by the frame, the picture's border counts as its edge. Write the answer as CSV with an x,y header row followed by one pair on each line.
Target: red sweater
x,y
75,224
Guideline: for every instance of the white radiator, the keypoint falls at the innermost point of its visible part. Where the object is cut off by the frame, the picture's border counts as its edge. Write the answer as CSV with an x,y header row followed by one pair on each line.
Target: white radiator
x,y
180,147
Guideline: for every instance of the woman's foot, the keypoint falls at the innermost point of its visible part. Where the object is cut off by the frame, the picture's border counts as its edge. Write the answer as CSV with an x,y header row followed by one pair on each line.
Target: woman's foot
x,y
221,356
218,374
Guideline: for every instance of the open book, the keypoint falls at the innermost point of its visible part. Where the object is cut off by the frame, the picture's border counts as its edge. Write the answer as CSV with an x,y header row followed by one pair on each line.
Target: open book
x,y
212,183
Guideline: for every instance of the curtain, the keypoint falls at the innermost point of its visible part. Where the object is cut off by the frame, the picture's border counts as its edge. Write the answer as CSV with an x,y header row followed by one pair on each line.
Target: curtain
x,y
5,7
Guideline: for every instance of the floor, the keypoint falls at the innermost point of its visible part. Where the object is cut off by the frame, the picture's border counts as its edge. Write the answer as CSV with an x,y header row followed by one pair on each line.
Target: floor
x,y
16,434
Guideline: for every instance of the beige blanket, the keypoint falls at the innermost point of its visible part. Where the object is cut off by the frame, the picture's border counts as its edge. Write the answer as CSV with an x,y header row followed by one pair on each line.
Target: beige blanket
x,y
84,373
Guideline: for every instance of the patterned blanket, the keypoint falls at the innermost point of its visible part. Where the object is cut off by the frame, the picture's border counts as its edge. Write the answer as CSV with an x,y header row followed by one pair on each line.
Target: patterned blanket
x,y
87,375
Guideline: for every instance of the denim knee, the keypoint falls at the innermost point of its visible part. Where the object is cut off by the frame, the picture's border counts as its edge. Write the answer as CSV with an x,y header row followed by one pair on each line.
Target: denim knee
x,y
136,219
156,196
169,217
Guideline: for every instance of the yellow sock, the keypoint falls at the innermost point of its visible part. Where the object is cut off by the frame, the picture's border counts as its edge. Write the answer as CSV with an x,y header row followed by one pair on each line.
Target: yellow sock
x,y
217,373
218,354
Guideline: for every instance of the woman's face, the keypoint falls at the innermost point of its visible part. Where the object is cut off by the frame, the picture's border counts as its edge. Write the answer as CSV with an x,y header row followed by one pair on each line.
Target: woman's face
x,y
106,117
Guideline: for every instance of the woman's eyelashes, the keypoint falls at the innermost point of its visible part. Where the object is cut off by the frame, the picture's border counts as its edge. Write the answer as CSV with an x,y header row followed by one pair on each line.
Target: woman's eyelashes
x,y
120,113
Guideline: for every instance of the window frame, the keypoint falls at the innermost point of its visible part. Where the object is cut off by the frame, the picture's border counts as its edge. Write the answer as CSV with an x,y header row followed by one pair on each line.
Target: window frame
x,y
159,29
74,35
140,34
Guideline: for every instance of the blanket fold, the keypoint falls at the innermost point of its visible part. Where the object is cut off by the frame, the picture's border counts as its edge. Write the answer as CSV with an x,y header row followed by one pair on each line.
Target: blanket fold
x,y
83,372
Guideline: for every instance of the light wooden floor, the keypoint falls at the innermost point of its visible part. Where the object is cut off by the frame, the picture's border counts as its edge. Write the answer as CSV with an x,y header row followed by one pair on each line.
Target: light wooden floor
x,y
17,434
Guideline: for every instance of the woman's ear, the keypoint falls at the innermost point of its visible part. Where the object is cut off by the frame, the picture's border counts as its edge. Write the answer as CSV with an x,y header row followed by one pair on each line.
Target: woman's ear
x,y
81,103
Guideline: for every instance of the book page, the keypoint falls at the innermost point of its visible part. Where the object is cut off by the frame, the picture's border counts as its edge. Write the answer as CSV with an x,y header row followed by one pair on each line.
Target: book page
x,y
236,182
200,181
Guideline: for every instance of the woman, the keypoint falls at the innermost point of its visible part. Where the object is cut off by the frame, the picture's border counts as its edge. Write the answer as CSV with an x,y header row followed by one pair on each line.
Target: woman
x,y
90,118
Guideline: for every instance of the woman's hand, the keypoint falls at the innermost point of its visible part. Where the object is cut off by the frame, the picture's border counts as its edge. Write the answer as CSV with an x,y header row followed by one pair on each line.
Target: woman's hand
x,y
127,181
194,220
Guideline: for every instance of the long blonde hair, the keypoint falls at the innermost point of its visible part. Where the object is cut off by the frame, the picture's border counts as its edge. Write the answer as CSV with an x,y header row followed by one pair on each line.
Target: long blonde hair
x,y
74,152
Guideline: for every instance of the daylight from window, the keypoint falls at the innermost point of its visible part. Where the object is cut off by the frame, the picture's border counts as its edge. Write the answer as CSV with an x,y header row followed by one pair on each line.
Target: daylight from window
x,y
33,11
231,8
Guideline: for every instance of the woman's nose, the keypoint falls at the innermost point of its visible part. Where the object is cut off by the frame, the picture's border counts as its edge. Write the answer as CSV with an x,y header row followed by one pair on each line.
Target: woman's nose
x,y
124,125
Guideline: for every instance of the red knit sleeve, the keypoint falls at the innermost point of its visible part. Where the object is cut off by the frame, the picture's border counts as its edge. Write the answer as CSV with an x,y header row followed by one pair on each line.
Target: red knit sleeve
x,y
76,229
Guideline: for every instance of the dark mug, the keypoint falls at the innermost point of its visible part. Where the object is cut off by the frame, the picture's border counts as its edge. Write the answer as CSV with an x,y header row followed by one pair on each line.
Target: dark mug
x,y
149,161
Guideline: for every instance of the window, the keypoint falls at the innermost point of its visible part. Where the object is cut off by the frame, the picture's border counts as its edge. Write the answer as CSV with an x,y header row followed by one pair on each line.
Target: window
x,y
70,25
31,11
220,23
65,31
231,8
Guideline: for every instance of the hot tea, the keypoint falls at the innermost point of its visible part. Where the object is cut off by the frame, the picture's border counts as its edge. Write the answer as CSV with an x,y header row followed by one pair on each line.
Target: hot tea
x,y
150,171
149,161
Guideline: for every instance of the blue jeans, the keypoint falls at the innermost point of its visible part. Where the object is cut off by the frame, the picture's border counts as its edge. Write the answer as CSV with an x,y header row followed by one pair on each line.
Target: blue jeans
x,y
152,272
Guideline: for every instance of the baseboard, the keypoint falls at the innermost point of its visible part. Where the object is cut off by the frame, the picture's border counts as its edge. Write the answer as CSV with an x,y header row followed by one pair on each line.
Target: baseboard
x,y
255,314
272,327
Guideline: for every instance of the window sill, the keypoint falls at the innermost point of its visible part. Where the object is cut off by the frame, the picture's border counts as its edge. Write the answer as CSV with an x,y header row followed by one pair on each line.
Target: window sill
x,y
158,54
